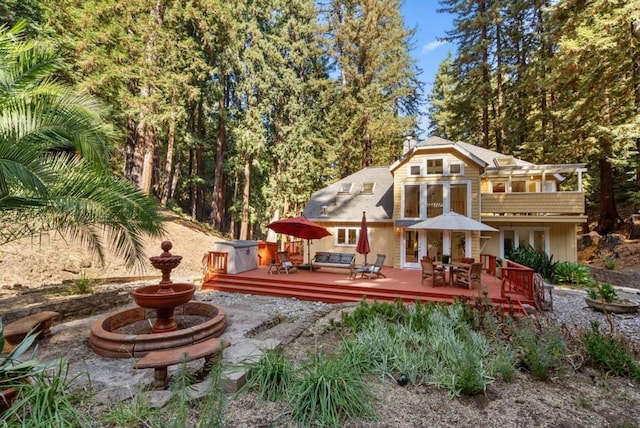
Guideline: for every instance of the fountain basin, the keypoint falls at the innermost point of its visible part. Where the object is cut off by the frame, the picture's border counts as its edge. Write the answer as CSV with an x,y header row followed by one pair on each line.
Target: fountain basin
x,y
107,343
161,297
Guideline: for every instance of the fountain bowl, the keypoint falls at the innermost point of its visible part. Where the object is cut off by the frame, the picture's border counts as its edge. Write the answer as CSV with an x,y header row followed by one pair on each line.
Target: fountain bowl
x,y
107,342
159,297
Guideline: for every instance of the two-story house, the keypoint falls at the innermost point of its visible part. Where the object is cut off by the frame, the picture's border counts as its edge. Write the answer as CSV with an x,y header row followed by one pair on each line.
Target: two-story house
x,y
526,204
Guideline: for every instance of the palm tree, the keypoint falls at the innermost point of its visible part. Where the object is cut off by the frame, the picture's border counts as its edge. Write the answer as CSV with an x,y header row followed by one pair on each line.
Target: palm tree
x,y
54,166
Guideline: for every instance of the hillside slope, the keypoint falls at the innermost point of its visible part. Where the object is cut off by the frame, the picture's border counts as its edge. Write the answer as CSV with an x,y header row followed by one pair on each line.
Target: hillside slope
x,y
49,259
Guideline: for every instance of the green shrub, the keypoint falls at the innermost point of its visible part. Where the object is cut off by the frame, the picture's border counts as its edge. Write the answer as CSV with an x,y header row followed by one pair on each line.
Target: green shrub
x,y
572,273
539,261
603,291
541,349
609,264
272,375
609,353
329,392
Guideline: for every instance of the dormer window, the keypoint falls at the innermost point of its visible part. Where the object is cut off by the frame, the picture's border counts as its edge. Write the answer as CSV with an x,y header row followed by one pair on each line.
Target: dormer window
x,y
367,187
504,161
415,170
435,166
345,188
324,212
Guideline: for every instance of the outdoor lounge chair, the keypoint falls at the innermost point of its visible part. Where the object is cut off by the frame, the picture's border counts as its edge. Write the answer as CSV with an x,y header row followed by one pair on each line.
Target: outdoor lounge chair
x,y
369,271
429,270
286,264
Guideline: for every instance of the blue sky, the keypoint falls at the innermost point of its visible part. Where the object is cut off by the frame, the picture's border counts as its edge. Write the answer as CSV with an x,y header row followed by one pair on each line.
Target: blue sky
x,y
428,50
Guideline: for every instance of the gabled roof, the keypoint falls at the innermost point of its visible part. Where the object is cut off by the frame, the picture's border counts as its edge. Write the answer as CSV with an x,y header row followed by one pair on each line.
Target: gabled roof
x,y
343,206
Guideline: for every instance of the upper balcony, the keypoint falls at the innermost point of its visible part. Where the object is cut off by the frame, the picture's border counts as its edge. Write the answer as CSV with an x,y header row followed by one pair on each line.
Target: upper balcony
x,y
528,192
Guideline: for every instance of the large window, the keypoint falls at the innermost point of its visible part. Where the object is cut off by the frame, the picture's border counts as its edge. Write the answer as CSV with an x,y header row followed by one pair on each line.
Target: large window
x,y
435,200
411,201
347,236
458,198
524,237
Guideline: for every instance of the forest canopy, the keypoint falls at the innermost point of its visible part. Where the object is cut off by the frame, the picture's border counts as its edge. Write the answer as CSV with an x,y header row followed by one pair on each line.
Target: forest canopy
x,y
236,112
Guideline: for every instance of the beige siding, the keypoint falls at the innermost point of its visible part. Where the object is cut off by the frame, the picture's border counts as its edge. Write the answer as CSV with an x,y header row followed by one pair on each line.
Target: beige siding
x,y
381,241
563,239
536,203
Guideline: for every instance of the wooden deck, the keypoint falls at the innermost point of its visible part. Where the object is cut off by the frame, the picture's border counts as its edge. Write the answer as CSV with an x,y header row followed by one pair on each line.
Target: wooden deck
x,y
334,286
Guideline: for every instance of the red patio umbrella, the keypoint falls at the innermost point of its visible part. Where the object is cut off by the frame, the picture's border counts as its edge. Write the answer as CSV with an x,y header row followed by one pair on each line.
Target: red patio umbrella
x,y
363,238
299,227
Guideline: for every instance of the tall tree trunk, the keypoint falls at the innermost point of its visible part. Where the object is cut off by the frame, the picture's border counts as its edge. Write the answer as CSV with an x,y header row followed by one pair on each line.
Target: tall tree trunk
x,y
499,123
168,169
244,226
131,168
635,32
609,218
367,146
150,144
486,83
232,220
192,187
217,202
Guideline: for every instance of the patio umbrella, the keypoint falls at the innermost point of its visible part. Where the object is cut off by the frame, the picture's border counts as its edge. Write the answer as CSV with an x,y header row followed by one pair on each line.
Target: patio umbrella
x,y
453,221
363,239
299,227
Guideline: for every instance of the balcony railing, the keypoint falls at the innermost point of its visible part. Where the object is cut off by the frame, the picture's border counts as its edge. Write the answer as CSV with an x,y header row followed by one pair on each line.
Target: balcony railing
x,y
551,203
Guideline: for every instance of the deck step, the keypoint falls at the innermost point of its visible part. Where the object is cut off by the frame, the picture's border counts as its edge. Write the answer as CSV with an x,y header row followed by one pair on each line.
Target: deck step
x,y
292,287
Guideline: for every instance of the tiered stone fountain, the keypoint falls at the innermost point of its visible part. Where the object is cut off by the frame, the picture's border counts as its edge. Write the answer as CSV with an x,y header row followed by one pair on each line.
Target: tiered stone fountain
x,y
167,301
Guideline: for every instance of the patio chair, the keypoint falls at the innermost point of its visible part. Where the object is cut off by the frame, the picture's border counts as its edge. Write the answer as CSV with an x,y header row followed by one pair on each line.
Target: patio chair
x,y
286,264
370,270
429,270
471,276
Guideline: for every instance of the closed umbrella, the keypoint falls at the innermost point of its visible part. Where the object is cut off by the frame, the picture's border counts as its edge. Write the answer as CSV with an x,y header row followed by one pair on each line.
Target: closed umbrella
x,y
363,239
300,227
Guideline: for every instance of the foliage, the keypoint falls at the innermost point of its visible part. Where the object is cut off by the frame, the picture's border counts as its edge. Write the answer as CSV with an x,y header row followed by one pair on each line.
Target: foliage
x,y
82,285
428,343
329,391
603,291
539,261
609,353
542,348
46,400
572,274
272,375
54,162
609,263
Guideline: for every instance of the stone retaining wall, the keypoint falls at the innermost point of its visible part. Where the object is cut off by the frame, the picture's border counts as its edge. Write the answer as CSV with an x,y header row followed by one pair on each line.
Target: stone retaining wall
x,y
74,307
620,279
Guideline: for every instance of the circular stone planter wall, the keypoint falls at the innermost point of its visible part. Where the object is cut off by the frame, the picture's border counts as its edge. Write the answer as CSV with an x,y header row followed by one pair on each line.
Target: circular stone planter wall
x,y
106,343
614,307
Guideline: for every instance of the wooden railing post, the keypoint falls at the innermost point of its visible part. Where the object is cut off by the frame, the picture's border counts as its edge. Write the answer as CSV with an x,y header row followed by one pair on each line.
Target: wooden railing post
x,y
216,263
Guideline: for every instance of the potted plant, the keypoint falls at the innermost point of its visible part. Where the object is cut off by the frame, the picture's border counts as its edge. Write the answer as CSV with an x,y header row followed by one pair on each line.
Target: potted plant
x,y
446,258
603,298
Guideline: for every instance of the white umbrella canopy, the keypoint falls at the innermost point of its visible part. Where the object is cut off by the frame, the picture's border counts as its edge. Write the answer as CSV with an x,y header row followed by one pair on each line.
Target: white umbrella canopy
x,y
453,221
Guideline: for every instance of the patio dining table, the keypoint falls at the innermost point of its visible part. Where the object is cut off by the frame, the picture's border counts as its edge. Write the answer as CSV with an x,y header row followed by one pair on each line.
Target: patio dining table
x,y
451,267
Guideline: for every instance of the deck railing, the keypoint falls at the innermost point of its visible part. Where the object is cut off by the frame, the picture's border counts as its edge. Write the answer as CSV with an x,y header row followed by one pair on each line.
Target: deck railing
x,y
489,263
516,279
216,263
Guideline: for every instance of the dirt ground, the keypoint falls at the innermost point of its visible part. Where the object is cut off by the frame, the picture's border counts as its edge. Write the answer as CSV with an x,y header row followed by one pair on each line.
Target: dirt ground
x,y
572,399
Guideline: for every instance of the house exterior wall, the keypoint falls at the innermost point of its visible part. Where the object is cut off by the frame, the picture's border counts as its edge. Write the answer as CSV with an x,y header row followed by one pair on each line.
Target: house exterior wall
x,y
562,239
536,203
381,241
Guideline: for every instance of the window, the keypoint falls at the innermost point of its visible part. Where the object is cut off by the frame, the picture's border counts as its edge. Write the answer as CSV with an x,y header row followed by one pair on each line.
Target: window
x,y
347,236
435,200
411,201
458,198
367,187
498,186
523,237
415,170
434,166
504,161
456,168
345,188
325,211
518,186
